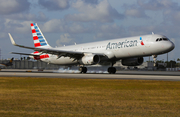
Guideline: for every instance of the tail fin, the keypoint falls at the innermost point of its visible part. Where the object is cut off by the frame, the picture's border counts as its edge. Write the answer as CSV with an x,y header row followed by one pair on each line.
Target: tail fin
x,y
38,37
9,63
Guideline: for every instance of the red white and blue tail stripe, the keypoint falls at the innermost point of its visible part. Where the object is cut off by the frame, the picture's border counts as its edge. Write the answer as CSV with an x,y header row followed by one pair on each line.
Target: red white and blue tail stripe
x,y
38,37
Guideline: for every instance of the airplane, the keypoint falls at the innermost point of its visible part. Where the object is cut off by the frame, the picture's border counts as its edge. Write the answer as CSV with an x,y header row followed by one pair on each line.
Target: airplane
x,y
7,64
130,50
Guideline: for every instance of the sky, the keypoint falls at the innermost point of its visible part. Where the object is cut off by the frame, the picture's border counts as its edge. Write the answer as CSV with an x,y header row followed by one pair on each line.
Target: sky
x,y
65,22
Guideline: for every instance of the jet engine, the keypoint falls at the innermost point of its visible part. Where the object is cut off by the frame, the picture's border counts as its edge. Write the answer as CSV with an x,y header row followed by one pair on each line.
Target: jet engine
x,y
132,61
90,59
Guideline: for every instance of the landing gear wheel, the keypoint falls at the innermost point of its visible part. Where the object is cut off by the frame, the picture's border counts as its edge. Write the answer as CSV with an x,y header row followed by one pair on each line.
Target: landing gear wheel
x,y
83,69
112,70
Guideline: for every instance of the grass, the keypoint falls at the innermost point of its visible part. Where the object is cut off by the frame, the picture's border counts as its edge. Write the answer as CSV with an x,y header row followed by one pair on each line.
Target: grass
x,y
50,97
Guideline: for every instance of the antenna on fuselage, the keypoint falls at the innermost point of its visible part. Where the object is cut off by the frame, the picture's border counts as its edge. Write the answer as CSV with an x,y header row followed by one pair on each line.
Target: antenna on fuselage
x,y
152,33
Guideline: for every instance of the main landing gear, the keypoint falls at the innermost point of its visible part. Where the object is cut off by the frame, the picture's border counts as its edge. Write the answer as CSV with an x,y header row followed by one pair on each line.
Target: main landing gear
x,y
83,69
112,70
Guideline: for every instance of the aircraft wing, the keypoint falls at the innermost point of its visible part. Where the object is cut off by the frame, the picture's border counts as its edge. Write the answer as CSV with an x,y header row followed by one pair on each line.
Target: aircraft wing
x,y
65,53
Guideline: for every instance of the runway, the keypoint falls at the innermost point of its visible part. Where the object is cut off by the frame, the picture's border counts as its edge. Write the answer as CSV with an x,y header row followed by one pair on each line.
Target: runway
x,y
133,75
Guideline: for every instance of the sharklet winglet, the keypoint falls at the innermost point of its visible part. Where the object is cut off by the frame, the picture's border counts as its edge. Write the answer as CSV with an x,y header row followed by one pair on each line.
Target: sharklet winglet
x,y
12,40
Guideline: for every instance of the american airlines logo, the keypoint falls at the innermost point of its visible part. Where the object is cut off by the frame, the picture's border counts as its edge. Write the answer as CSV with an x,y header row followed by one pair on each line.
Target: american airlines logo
x,y
124,44
142,43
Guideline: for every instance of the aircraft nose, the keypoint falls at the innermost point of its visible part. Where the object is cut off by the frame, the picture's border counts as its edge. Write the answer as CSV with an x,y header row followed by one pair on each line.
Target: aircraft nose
x,y
170,46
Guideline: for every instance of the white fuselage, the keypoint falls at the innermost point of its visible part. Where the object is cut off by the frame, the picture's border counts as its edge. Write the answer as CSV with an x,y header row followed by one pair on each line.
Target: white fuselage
x,y
117,49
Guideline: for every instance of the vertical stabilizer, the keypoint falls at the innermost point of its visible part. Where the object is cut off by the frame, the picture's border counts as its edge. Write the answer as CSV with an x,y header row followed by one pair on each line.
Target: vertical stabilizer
x,y
38,37
9,63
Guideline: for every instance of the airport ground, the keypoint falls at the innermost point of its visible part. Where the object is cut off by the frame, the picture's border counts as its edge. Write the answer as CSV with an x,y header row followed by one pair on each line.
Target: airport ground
x,y
129,93
136,75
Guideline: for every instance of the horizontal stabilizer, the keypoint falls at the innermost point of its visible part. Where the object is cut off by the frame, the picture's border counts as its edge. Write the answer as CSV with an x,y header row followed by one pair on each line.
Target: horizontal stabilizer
x,y
24,54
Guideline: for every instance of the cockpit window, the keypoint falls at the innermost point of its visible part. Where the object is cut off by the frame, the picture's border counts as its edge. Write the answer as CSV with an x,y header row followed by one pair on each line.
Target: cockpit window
x,y
161,39
165,39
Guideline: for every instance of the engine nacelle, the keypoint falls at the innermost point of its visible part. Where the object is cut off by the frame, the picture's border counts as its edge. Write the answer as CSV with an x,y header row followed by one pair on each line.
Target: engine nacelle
x,y
90,59
132,61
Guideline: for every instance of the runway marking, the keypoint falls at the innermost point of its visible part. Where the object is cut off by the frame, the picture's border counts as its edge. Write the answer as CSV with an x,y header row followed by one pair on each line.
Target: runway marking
x,y
92,76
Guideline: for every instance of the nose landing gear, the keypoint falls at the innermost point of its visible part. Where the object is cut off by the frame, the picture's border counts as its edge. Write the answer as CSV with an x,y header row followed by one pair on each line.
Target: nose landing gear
x,y
155,59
